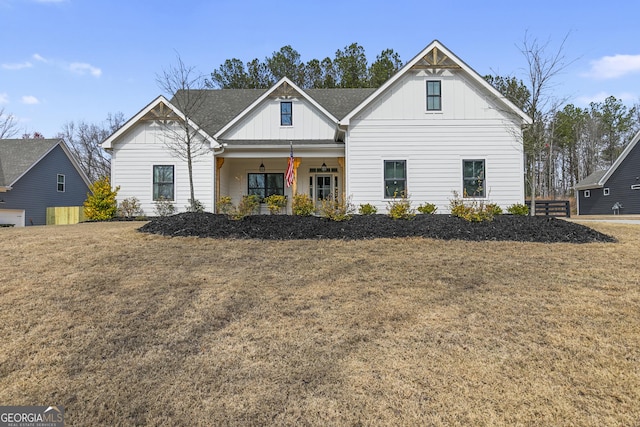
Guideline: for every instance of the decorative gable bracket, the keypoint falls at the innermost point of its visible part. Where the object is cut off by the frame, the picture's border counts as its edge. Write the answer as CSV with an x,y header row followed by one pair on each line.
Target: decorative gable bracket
x,y
435,59
285,90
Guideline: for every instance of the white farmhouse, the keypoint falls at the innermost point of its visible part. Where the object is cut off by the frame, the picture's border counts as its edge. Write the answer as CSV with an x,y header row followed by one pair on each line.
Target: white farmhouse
x,y
435,128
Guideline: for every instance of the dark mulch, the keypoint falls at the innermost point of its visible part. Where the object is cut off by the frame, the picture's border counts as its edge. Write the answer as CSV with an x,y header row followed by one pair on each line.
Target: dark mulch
x,y
288,227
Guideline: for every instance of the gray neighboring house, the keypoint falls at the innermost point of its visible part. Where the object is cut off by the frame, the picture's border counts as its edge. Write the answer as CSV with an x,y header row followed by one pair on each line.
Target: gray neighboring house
x,y
36,174
615,190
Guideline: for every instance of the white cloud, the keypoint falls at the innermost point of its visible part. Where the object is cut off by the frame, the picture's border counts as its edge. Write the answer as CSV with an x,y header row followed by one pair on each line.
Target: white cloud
x,y
30,100
82,68
4,98
17,66
38,57
612,67
627,98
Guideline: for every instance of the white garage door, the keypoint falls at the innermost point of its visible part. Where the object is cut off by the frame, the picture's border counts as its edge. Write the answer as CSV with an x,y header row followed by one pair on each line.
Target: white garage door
x,y
12,216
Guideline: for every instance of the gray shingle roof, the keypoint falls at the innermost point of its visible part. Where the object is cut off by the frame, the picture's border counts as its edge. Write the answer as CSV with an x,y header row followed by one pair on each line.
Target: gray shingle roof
x,y
219,106
591,181
18,155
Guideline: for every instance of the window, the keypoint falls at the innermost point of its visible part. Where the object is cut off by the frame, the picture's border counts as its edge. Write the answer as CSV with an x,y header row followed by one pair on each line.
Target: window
x,y
286,114
473,182
587,193
266,184
605,191
434,95
163,182
60,183
395,178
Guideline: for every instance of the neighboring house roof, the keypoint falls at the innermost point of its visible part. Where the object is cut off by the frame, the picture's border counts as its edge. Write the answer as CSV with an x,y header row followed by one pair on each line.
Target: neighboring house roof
x,y
598,179
19,156
591,181
437,56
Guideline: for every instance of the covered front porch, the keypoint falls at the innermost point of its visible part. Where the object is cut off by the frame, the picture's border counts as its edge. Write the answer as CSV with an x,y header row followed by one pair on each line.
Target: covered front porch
x,y
317,171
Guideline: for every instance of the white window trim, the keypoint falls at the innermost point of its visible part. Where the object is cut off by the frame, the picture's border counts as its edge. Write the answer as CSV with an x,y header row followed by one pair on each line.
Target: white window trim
x,y
175,180
605,191
587,194
64,183
406,178
486,190
280,113
426,97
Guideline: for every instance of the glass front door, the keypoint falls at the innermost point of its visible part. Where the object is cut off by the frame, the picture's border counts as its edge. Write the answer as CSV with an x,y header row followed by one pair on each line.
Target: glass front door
x,y
324,187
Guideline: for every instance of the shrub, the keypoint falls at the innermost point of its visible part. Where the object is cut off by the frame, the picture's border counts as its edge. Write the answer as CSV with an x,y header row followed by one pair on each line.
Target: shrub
x,y
130,208
518,209
302,205
473,210
195,206
275,203
400,207
249,205
367,209
101,203
340,209
494,209
427,208
224,205
164,207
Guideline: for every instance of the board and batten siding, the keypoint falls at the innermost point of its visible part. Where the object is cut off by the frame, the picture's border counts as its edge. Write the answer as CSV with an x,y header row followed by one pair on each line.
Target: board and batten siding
x,y
263,123
132,161
434,144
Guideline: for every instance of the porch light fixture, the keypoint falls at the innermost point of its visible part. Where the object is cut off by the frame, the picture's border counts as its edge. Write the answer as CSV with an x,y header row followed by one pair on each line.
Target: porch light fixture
x,y
261,168
323,168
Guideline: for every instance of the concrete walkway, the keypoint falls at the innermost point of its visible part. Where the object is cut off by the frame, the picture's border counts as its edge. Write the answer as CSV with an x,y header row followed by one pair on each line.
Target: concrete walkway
x,y
619,219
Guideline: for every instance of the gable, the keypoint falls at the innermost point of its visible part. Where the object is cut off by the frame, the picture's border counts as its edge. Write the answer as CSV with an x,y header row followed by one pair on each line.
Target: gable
x,y
18,156
438,62
263,121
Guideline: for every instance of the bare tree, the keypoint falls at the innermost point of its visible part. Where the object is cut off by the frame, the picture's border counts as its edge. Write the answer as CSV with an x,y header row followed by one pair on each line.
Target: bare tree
x,y
8,125
542,68
84,141
188,90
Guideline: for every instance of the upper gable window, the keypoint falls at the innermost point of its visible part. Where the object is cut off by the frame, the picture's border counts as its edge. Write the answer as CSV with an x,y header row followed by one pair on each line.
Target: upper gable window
x,y
434,95
286,114
61,183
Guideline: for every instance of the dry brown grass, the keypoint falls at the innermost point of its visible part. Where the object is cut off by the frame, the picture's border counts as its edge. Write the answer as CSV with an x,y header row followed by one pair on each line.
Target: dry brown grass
x,y
123,328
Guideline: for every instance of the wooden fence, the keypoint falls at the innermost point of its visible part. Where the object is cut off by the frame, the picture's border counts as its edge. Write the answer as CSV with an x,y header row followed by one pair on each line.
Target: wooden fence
x,y
65,215
551,207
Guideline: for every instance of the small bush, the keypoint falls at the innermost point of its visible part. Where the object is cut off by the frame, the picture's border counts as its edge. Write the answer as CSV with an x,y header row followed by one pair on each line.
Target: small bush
x,y
518,209
164,207
427,208
473,210
249,205
494,209
195,206
337,210
101,204
302,205
130,208
224,205
275,203
400,207
367,209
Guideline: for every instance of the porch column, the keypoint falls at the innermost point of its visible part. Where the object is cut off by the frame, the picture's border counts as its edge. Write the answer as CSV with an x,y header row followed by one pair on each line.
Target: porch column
x,y
216,199
294,186
343,175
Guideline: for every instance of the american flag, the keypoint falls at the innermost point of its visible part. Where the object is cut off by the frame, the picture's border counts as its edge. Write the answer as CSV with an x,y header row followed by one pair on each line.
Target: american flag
x,y
289,175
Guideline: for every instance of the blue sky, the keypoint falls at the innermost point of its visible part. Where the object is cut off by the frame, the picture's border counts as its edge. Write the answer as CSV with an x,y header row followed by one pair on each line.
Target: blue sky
x,y
73,60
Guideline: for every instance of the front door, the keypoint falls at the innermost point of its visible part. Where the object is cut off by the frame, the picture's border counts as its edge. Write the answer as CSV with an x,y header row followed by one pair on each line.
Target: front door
x,y
324,187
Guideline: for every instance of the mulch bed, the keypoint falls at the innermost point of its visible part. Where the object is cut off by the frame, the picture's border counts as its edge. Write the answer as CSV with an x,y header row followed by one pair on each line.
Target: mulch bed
x,y
445,227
